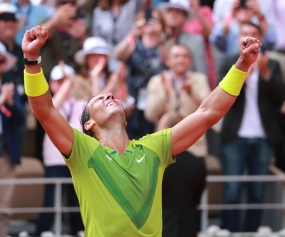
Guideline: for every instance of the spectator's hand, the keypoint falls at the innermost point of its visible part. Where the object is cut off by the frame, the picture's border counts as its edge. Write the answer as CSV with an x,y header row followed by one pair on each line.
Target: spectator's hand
x,y
33,40
165,82
156,26
65,76
187,86
249,51
114,81
99,67
195,5
64,14
7,93
138,27
122,72
262,61
77,29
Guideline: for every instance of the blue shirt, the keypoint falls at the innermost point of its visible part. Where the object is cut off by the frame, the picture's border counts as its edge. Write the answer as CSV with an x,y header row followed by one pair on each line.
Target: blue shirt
x,y
29,17
228,44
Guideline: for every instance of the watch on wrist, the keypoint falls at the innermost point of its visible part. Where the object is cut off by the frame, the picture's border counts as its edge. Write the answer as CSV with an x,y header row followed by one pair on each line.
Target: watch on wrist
x,y
32,62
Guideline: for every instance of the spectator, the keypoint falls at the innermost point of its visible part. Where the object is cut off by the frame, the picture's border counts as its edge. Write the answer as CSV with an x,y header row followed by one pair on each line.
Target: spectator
x,y
8,29
12,126
67,32
29,16
225,34
279,55
61,81
178,12
172,96
222,10
249,131
202,24
182,187
118,17
101,74
144,52
279,48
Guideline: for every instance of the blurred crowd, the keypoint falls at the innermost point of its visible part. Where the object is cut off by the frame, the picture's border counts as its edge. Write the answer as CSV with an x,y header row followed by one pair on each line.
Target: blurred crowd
x,y
161,59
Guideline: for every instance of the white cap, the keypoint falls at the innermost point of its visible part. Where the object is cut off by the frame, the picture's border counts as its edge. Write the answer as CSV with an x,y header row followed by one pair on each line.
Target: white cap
x,y
57,73
6,7
179,4
92,45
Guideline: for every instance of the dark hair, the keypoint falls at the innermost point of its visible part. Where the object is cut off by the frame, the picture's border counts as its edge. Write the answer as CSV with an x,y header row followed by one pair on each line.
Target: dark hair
x,y
249,23
85,116
182,46
105,5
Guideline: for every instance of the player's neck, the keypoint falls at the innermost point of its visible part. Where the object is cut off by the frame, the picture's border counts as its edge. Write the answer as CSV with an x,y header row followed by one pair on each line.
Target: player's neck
x,y
115,138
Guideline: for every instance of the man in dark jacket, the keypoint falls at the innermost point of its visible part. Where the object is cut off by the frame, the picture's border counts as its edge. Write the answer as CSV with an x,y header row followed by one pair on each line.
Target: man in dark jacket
x,y
249,131
12,126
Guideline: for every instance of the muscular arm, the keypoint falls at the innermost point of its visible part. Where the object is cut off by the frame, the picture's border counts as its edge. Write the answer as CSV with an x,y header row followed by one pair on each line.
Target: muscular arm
x,y
54,124
212,109
216,105
36,88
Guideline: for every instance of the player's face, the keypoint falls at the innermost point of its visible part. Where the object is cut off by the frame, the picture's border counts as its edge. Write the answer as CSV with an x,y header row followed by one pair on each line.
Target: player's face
x,y
103,107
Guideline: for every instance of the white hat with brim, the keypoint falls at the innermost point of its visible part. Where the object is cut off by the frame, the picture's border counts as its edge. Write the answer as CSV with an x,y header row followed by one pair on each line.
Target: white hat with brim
x,y
9,8
178,4
10,59
57,73
92,45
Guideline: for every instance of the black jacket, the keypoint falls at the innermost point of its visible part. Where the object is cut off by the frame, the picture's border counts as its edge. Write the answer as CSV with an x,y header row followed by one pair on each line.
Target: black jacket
x,y
271,95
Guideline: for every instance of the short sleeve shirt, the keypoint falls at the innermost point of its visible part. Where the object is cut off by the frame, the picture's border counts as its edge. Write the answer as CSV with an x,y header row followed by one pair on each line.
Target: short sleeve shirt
x,y
120,195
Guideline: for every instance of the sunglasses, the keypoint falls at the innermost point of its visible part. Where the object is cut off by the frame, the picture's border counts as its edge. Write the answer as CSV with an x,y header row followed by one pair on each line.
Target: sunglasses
x,y
67,2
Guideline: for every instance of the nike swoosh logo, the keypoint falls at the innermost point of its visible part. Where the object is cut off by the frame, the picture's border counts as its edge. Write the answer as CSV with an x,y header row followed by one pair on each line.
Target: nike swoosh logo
x,y
140,160
109,157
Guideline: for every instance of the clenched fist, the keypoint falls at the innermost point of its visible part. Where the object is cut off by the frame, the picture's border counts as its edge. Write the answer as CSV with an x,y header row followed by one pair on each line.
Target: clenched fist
x,y
249,51
33,40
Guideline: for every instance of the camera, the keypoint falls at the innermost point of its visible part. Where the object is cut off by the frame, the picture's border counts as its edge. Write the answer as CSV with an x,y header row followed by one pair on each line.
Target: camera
x,y
148,14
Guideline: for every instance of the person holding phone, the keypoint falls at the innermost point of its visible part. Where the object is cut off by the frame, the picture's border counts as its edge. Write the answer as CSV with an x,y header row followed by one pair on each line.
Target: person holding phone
x,y
118,17
250,130
144,52
225,33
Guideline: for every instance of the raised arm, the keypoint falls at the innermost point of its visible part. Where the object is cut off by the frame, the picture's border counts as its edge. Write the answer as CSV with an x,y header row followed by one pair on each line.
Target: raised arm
x,y
127,46
36,88
216,105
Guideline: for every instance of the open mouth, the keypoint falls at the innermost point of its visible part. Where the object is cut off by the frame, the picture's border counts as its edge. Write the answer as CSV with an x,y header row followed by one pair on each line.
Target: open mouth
x,y
111,103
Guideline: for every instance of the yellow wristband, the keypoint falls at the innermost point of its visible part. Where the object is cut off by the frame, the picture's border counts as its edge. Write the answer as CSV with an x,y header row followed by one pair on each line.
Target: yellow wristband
x,y
233,81
35,84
